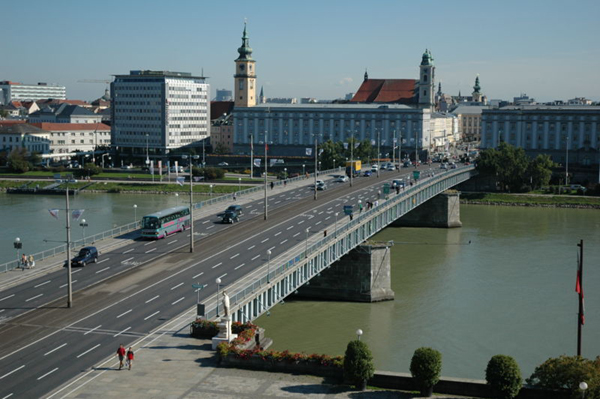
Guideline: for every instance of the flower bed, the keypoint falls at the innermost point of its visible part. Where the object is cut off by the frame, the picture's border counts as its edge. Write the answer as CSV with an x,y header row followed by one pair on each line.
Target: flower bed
x,y
206,329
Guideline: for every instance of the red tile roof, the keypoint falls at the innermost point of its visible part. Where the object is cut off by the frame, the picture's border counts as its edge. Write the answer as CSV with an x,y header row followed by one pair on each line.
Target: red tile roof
x,y
54,127
11,122
401,91
218,108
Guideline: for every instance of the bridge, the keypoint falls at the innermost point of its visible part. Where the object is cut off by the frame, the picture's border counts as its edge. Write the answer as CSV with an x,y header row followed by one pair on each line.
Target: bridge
x,y
139,285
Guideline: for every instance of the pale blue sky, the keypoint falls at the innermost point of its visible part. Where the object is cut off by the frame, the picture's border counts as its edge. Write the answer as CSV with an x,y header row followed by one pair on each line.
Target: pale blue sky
x,y
311,48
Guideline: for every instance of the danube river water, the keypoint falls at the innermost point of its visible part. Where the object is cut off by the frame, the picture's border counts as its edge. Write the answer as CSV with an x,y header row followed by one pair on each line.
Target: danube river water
x,y
510,291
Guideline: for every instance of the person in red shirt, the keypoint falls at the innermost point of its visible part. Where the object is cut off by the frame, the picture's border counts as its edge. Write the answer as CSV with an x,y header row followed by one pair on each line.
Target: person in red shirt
x,y
121,354
129,357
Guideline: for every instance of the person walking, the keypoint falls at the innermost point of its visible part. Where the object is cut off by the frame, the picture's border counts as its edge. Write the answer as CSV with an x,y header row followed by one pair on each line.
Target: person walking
x,y
121,355
360,206
272,185
129,357
234,196
31,262
23,261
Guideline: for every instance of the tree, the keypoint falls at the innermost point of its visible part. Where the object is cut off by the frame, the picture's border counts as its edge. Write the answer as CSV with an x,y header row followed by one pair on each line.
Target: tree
x,y
331,154
566,372
17,160
3,113
504,377
540,170
358,363
221,149
426,368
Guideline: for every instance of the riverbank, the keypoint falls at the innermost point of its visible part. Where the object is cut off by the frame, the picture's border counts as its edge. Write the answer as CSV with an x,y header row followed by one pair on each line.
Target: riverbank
x,y
535,200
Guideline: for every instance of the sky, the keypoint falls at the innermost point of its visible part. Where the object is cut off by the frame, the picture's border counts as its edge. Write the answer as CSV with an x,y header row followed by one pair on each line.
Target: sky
x,y
547,49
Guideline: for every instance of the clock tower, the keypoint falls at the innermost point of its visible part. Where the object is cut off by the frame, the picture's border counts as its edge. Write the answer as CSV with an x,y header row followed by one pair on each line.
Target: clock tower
x,y
426,81
245,75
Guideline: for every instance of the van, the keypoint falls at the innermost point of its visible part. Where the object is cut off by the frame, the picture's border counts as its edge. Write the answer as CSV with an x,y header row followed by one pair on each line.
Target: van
x,y
86,255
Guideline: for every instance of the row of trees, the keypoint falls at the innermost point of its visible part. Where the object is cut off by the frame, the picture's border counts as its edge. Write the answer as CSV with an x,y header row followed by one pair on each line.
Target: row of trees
x,y
513,169
333,154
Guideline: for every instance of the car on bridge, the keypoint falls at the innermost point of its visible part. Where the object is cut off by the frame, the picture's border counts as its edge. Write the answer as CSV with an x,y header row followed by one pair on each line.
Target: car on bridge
x,y
230,216
340,178
232,208
320,185
368,173
86,255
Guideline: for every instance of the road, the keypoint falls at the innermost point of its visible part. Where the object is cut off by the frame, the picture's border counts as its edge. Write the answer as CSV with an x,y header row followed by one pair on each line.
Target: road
x,y
134,289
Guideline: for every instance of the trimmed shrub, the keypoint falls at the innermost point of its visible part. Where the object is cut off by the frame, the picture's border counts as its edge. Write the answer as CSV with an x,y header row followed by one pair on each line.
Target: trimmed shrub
x,y
426,368
503,377
358,363
566,372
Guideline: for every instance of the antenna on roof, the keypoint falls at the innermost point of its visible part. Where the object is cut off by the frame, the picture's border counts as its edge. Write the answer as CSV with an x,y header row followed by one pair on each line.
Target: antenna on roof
x,y
202,72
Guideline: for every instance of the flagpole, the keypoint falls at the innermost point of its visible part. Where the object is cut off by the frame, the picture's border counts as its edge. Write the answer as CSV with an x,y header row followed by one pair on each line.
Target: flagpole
x,y
580,285
69,277
316,170
251,157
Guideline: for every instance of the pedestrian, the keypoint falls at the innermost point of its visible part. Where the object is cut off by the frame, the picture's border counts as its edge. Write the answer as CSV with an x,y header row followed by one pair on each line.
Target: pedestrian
x,y
129,357
397,190
351,217
234,196
378,194
121,355
272,185
376,203
285,183
23,261
360,206
31,262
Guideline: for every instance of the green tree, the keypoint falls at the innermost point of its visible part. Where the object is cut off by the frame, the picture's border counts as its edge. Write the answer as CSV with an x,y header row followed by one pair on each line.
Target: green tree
x,y
221,149
504,377
540,170
3,113
566,372
358,363
331,154
426,368
508,163
17,160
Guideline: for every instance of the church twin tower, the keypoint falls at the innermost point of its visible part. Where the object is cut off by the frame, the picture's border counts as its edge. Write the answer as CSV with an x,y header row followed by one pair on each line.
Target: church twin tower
x,y
245,77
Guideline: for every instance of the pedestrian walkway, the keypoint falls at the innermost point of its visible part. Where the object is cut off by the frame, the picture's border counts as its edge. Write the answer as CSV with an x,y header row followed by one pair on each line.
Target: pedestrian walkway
x,y
171,364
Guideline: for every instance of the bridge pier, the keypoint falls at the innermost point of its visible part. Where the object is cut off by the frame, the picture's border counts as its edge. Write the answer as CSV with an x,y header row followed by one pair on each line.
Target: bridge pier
x,y
363,275
443,210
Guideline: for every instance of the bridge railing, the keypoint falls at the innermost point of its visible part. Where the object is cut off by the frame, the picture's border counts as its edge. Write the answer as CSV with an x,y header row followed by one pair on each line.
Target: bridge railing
x,y
131,227
276,268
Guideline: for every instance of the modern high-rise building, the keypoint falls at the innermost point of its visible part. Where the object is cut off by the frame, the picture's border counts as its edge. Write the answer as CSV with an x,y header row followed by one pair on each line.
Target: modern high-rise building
x,y
13,91
154,112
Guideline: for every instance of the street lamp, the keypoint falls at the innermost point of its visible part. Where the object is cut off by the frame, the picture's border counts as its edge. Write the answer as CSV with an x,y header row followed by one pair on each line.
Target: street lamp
x,y
147,156
583,386
336,215
269,266
285,173
18,245
359,332
239,184
218,281
83,225
211,187
567,161
304,169
306,243
134,213
191,199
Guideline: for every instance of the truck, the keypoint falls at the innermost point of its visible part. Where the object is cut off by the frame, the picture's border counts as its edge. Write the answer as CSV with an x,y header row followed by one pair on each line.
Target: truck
x,y
353,167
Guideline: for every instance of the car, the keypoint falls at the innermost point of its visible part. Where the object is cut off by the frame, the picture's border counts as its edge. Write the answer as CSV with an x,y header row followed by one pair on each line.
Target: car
x,y
321,185
178,169
390,166
125,167
367,173
86,255
443,166
375,167
406,164
223,164
340,179
235,208
398,183
230,216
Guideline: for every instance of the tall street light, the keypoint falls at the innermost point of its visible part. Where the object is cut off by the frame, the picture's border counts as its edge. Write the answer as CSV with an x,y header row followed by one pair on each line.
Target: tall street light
x,y
147,156
352,161
306,243
239,184
266,204
191,199
567,161
336,216
304,168
269,266
69,277
378,151
316,166
251,156
18,245
135,213
359,332
83,225
218,281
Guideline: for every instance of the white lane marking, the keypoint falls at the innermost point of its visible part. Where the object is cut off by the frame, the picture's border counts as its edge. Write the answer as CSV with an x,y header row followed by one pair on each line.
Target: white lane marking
x,y
47,374
151,299
237,267
127,260
265,240
223,275
124,313
14,371
256,257
276,234
321,212
153,314
217,265
172,242
6,297
297,234
198,275
88,351
319,222
289,228
64,285
328,217
121,332
300,222
8,396
249,248
89,331
330,208
128,251
149,243
277,202
283,242
33,297
235,256
78,270
103,260
151,250
55,349
102,270
177,286
210,227
44,283
270,249
179,300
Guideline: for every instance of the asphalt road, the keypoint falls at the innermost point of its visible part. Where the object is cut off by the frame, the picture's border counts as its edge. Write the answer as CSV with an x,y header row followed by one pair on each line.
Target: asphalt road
x,y
133,290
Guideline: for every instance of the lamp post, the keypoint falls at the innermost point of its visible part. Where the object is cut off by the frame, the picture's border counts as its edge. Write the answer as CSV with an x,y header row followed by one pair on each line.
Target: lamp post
x,y
583,386
336,215
400,151
266,203
83,225
191,200
134,213
352,161
304,169
316,169
567,161
211,187
18,245
269,266
218,281
378,151
285,173
147,156
306,243
239,184
359,332
251,156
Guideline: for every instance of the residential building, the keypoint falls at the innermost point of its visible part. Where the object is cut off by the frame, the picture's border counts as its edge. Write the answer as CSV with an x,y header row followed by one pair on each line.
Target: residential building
x,y
221,127
560,131
17,135
469,121
64,113
67,138
154,112
14,91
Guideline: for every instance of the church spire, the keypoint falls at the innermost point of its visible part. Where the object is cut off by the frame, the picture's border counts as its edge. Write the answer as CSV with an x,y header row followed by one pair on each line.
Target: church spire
x,y
366,74
245,51
477,87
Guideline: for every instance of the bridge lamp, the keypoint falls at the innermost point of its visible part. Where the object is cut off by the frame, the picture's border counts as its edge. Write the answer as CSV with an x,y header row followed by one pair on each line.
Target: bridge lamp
x,y
269,266
211,187
239,184
304,169
218,281
306,244
336,216
583,386
83,225
18,245
134,213
359,332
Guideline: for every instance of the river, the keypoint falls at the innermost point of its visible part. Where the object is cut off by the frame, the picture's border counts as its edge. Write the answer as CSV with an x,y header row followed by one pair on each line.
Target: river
x,y
510,291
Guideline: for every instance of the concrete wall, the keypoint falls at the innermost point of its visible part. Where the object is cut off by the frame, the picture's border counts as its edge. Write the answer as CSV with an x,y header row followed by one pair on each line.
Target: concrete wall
x,y
363,275
442,210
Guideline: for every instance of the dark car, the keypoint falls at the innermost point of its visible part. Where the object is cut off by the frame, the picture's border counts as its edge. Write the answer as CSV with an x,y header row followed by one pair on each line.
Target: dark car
x,y
230,217
368,173
86,255
233,208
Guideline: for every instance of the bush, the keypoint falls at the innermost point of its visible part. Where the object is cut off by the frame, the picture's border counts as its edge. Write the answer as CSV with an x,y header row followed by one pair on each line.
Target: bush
x,y
89,170
209,173
566,372
358,363
504,377
426,367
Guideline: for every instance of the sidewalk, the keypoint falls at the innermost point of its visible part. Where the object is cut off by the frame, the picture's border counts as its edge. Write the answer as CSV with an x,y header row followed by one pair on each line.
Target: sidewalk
x,y
171,364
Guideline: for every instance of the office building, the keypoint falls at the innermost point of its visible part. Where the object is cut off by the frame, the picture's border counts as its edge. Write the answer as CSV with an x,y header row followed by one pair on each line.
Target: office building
x,y
14,91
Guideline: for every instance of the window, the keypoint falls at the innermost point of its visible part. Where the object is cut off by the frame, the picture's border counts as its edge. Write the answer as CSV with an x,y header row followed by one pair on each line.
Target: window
x,y
241,85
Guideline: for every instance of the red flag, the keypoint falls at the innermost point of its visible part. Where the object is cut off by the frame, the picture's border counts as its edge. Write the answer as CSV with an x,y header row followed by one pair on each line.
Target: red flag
x,y
579,289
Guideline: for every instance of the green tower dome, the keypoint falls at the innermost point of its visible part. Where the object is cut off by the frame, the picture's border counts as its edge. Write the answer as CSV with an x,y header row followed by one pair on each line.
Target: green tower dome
x,y
245,51
427,58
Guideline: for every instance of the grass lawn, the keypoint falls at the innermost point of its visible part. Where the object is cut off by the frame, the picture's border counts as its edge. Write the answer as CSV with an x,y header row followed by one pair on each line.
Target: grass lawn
x,y
531,199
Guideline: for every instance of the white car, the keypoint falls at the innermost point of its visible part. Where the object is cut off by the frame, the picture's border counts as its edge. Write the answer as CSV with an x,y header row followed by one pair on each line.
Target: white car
x,y
223,164
375,168
341,179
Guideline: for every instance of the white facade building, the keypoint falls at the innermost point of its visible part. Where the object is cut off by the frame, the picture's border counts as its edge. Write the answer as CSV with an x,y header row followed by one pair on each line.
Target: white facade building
x,y
157,111
13,91
67,138
18,135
